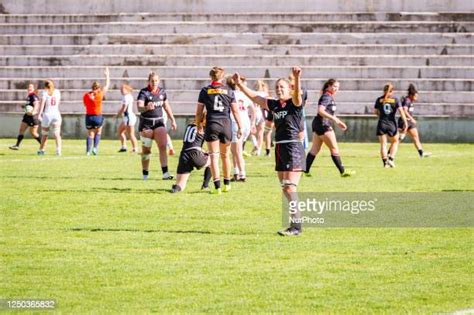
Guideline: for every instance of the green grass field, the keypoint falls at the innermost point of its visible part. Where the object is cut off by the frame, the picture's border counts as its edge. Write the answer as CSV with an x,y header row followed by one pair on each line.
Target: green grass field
x,y
89,233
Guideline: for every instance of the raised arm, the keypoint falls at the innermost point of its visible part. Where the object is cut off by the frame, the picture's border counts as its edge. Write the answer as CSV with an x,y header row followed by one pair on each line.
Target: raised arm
x,y
262,101
105,89
296,97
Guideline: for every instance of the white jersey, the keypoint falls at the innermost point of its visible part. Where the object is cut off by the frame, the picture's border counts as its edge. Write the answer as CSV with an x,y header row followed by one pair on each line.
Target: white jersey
x,y
51,102
127,100
243,103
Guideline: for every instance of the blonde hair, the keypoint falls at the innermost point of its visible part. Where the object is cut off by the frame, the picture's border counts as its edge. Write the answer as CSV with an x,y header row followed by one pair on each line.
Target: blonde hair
x,y
49,86
217,73
95,85
151,75
388,88
127,88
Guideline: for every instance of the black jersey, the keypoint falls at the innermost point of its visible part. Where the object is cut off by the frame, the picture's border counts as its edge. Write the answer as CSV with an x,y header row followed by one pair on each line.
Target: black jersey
x,y
31,99
147,96
387,109
218,99
192,138
288,119
408,103
327,101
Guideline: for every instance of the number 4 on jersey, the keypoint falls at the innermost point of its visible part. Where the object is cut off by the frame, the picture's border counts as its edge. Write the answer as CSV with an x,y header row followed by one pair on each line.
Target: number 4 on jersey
x,y
218,106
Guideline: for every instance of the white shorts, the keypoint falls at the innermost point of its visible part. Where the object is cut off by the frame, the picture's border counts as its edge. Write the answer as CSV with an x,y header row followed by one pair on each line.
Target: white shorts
x,y
130,120
259,119
245,131
51,119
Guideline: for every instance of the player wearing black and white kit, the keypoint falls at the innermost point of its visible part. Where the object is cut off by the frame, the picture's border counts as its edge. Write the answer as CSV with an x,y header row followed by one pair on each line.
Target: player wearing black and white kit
x,y
408,106
323,131
192,157
386,107
152,100
287,112
219,101
30,118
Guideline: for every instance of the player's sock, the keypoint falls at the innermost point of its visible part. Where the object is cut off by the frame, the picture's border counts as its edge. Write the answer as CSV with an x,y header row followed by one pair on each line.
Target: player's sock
x,y
384,161
207,177
337,160
145,172
267,151
164,169
390,158
309,161
420,152
254,140
96,140
217,183
19,139
226,181
38,139
88,144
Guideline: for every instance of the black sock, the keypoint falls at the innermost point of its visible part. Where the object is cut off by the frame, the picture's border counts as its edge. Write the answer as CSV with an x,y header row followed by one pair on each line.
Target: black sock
x,y
38,139
19,139
390,158
164,169
207,177
384,160
217,183
145,172
243,145
337,160
420,152
309,161
226,181
267,151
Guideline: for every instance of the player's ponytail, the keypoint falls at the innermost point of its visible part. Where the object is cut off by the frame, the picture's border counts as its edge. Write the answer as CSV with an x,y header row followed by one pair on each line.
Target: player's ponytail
x,y
127,88
49,86
387,89
327,85
216,73
230,82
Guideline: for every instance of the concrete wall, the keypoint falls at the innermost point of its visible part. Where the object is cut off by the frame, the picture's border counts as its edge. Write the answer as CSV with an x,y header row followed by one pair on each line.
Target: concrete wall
x,y
361,128
210,6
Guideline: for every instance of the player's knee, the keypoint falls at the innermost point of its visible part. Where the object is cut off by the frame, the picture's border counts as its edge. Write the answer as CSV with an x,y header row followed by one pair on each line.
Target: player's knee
x,y
288,186
146,142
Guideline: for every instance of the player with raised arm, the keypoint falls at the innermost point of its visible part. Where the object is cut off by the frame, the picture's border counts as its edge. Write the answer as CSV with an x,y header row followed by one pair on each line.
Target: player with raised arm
x,y
385,108
289,152
152,100
219,101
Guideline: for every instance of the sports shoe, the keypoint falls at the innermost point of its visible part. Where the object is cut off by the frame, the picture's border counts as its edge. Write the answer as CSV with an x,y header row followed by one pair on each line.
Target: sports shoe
x,y
175,189
205,187
386,165
215,191
167,176
242,179
226,188
122,150
348,173
14,147
235,178
171,151
58,153
291,231
40,152
94,151
308,174
145,177
391,163
425,154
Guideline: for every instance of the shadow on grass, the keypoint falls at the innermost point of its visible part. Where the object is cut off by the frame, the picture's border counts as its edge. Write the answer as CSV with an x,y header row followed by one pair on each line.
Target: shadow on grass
x,y
108,190
140,231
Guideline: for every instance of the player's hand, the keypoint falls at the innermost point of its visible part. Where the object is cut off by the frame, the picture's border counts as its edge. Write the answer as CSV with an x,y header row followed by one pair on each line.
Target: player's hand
x,y
239,133
40,117
341,125
236,78
150,106
296,71
405,128
200,130
413,121
106,71
174,126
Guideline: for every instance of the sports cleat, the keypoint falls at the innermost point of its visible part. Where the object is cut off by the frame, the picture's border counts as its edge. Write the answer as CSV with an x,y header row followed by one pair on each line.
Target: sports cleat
x,y
167,176
58,153
226,188
386,165
145,177
426,154
216,191
291,231
307,174
242,179
94,151
235,178
122,150
348,173
14,147
175,189
205,188
391,163
40,152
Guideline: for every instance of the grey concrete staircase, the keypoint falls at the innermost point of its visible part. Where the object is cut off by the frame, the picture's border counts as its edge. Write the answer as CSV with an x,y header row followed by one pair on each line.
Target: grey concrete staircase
x,y
363,50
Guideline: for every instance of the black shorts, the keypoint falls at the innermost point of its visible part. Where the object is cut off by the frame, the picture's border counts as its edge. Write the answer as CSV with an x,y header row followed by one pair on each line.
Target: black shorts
x,y
218,130
150,123
290,157
268,115
411,124
387,128
30,120
94,121
188,160
319,128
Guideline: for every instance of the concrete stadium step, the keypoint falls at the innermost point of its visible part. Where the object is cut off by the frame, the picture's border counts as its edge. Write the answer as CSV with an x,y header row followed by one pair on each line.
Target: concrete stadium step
x,y
237,60
285,50
197,83
343,108
221,38
237,16
459,97
236,27
272,72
